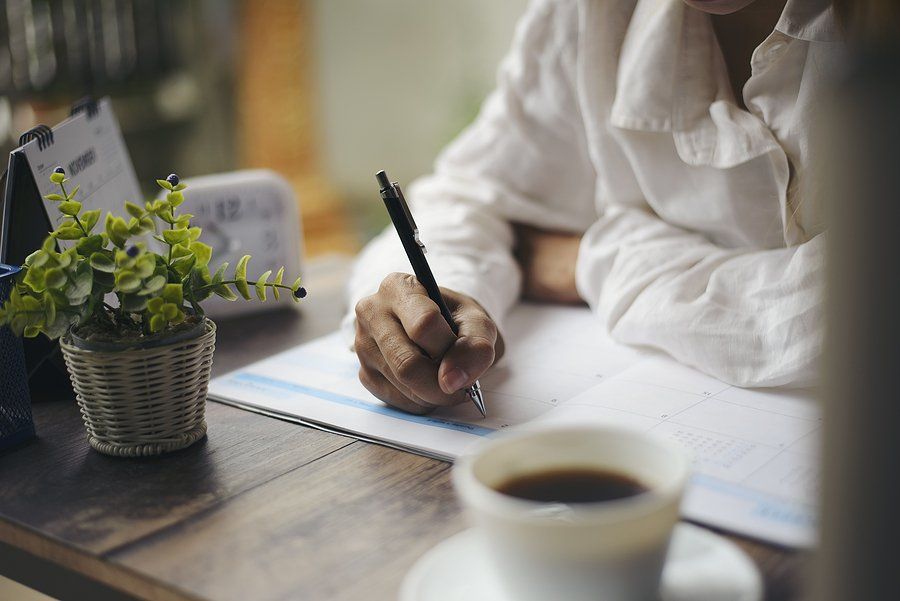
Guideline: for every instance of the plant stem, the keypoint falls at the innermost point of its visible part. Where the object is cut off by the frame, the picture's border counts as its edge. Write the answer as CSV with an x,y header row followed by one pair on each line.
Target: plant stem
x,y
269,284
75,217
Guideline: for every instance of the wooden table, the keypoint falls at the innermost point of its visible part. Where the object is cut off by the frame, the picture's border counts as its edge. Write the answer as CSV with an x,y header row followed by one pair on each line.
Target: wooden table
x,y
262,509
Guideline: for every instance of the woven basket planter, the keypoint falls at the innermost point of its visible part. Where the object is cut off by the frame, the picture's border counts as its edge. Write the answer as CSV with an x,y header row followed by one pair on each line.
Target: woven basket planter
x,y
143,401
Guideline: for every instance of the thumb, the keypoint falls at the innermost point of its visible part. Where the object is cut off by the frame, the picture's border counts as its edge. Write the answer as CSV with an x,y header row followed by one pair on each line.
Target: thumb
x,y
471,354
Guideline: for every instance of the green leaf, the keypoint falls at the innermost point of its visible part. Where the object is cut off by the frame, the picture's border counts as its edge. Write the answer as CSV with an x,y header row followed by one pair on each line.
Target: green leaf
x,y
145,265
57,327
105,280
154,284
55,197
203,252
240,274
68,232
29,303
180,187
157,322
164,184
127,281
88,246
225,292
31,331
73,193
58,296
184,265
278,279
90,218
173,293
78,291
154,305
147,224
220,273
261,285
170,311
173,237
199,280
69,207
296,285
49,308
116,229
134,227
102,262
55,278
37,258
134,210
64,259
134,303
175,198
195,233
181,250
34,279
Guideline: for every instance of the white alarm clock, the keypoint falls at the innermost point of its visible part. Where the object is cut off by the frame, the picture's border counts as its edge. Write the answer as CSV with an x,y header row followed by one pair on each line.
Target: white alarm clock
x,y
252,212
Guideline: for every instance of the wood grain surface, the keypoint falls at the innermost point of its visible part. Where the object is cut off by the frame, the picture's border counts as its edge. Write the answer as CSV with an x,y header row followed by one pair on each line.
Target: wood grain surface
x,y
262,509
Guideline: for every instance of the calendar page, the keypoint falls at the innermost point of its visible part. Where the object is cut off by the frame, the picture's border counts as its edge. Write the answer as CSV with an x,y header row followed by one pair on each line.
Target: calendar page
x,y
93,153
755,451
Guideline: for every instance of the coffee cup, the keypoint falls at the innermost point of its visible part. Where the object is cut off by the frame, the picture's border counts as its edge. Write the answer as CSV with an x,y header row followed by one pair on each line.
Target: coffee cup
x,y
546,534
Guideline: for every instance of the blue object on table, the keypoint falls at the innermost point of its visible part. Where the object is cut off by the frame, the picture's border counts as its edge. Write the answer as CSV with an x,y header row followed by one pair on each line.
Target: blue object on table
x,y
16,424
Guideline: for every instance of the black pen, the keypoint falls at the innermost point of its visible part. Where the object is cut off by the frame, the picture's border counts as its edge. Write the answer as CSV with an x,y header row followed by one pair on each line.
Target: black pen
x,y
415,250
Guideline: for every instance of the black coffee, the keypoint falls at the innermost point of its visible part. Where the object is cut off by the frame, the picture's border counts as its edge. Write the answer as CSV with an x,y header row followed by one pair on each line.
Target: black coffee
x,y
572,486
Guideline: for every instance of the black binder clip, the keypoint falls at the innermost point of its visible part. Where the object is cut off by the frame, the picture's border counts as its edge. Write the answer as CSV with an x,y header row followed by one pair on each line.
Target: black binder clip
x,y
87,104
41,133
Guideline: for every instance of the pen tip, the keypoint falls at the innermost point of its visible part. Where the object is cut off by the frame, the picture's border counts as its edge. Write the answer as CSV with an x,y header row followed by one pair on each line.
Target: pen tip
x,y
382,179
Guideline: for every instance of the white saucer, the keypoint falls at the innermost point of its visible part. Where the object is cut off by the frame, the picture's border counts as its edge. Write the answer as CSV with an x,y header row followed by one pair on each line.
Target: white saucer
x,y
701,566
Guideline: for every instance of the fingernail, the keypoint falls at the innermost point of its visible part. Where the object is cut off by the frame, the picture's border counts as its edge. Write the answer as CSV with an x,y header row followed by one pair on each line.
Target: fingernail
x,y
454,380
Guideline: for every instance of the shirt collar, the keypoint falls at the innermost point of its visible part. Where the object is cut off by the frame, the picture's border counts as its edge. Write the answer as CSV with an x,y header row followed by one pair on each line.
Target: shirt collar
x,y
809,20
671,78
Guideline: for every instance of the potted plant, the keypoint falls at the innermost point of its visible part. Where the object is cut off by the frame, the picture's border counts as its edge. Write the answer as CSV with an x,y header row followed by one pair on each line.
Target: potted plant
x,y
137,345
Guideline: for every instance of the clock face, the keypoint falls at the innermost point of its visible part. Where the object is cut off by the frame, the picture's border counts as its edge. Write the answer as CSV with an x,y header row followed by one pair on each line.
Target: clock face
x,y
240,218
236,226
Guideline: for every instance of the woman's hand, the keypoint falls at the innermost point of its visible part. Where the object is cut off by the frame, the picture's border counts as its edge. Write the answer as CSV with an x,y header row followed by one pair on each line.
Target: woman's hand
x,y
408,355
548,264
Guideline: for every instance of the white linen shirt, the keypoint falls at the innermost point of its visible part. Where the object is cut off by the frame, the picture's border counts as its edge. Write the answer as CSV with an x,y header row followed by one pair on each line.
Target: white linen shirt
x,y
616,120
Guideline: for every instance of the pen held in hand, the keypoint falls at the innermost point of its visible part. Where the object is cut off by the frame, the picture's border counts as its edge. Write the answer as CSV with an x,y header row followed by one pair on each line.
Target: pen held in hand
x,y
415,250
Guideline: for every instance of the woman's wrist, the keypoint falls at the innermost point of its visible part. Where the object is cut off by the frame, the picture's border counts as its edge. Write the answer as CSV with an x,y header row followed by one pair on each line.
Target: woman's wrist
x,y
548,261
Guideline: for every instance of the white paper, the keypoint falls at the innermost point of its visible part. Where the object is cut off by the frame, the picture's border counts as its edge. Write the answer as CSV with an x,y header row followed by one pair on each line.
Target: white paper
x,y
754,450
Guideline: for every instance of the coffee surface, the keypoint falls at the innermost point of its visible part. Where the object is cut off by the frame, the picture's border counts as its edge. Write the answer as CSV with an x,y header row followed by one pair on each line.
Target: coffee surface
x,y
572,486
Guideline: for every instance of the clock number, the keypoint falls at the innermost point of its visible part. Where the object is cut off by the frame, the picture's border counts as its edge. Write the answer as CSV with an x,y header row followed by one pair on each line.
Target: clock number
x,y
271,238
228,209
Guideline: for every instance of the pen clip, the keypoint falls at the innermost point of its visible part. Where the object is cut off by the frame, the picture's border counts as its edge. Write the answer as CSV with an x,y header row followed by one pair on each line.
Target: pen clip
x,y
409,218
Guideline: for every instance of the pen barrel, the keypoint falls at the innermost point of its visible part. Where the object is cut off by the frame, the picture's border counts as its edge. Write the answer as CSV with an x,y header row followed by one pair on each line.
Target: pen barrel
x,y
417,258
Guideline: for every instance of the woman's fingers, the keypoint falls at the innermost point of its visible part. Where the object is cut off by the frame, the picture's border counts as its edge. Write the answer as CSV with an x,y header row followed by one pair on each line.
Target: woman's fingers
x,y
473,352
378,385
409,354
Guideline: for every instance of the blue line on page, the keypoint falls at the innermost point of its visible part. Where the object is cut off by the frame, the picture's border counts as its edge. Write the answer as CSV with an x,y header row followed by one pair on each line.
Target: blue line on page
x,y
358,404
767,507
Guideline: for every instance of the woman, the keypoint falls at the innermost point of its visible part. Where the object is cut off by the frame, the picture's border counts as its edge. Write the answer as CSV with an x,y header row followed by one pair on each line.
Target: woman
x,y
647,157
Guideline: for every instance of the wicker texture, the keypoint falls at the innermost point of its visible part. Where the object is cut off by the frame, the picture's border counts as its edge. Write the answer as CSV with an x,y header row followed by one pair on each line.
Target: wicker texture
x,y
144,401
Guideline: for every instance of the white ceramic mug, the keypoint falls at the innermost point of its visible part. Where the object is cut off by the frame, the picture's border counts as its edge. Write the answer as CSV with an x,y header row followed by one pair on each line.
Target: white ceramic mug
x,y
607,551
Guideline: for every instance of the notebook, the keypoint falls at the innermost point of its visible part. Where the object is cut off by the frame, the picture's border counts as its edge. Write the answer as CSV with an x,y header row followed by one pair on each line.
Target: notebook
x,y
755,451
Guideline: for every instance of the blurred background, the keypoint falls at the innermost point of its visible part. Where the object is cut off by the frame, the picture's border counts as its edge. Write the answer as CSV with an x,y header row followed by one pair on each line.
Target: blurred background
x,y
325,92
